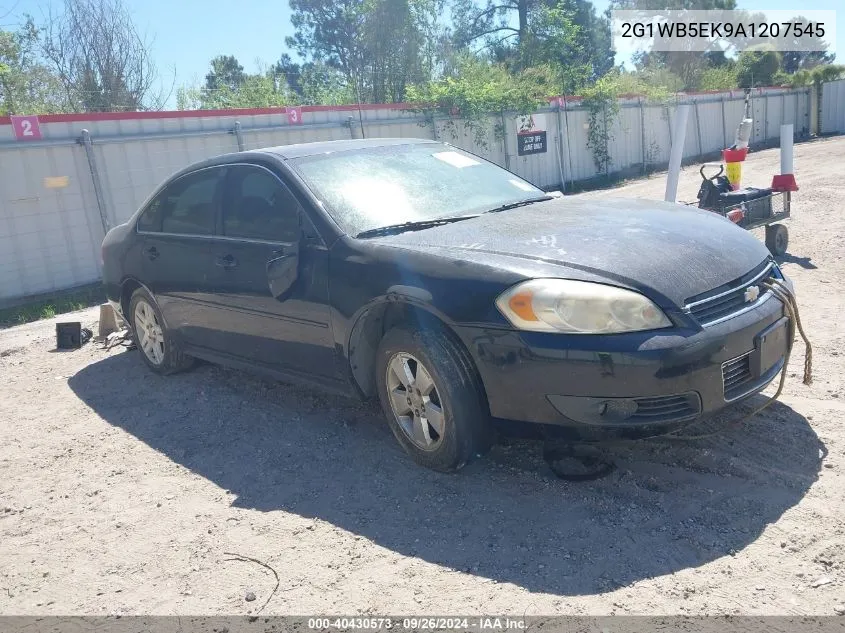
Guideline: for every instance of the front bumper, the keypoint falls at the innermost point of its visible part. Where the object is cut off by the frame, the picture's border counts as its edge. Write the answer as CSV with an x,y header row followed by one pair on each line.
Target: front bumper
x,y
632,384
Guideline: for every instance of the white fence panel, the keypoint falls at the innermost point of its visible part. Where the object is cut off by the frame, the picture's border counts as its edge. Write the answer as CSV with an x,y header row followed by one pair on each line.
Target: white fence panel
x,y
50,218
50,231
833,107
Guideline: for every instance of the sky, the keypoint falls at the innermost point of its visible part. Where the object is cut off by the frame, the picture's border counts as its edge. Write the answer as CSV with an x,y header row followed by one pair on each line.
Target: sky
x,y
186,34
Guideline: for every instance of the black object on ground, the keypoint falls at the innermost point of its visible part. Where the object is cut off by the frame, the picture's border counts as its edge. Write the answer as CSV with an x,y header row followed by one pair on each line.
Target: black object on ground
x,y
71,335
577,462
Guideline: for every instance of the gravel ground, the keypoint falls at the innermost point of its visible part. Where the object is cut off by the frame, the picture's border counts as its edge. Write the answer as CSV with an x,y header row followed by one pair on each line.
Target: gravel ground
x,y
121,492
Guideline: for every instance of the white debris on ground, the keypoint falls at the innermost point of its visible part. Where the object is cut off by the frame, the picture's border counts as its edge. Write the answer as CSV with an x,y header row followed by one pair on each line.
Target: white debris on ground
x,y
121,491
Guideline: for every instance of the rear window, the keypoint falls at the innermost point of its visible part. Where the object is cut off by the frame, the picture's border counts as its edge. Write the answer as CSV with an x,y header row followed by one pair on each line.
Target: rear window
x,y
185,207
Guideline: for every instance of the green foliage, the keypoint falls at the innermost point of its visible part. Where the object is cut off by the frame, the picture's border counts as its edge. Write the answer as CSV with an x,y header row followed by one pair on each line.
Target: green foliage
x,y
225,71
525,33
757,66
27,86
830,72
380,46
818,75
554,41
718,78
323,85
49,306
479,88
602,103
254,91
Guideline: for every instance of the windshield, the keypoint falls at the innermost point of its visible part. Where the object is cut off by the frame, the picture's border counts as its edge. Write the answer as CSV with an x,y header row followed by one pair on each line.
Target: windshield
x,y
385,186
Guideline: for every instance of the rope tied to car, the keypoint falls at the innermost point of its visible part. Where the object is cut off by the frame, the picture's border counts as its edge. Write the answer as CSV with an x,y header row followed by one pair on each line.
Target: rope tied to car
x,y
782,292
785,295
595,466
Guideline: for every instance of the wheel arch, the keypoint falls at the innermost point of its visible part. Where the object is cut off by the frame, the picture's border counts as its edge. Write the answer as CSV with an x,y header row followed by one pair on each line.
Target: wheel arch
x,y
376,319
127,288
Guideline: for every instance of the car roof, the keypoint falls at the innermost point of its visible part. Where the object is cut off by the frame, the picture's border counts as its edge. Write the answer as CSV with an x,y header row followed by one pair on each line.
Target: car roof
x,y
285,152
326,147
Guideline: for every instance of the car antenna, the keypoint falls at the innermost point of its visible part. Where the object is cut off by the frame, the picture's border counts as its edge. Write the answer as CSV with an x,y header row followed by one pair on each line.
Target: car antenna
x,y
358,98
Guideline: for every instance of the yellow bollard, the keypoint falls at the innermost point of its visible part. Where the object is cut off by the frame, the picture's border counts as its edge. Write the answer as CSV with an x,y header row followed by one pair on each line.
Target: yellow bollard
x,y
733,165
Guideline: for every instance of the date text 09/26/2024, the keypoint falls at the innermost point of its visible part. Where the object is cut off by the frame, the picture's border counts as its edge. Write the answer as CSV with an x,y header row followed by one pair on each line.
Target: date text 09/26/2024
x,y
418,623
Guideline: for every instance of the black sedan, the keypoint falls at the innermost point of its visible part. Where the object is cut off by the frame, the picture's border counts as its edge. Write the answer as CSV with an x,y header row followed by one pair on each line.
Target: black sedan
x,y
454,291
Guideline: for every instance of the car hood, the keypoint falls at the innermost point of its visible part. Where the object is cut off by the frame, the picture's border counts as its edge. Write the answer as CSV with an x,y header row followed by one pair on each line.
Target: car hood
x,y
670,249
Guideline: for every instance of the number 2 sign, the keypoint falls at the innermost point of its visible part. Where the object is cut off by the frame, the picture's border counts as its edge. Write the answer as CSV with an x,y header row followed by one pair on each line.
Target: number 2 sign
x,y
294,116
26,128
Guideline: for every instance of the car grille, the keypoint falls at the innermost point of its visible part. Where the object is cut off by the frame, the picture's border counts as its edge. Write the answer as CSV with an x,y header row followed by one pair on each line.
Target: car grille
x,y
736,373
667,408
729,300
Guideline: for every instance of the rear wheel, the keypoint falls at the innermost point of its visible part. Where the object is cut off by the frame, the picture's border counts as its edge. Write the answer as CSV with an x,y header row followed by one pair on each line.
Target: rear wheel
x,y
152,338
432,398
777,239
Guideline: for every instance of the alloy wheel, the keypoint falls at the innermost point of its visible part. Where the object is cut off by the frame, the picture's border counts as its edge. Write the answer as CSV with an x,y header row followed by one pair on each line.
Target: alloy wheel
x,y
150,333
415,401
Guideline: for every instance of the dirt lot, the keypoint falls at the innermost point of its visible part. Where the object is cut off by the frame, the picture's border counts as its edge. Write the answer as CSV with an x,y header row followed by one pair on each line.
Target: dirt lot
x,y
121,491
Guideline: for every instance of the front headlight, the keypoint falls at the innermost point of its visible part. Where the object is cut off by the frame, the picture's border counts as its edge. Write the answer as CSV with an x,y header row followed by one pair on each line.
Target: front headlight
x,y
579,307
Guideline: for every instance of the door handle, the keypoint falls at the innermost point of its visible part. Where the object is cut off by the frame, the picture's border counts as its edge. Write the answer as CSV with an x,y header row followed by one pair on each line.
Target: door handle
x,y
226,261
151,252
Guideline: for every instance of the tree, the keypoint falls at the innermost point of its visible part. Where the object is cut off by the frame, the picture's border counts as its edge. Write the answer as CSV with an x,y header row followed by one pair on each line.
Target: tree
x,y
225,71
757,67
687,64
100,58
26,85
492,21
793,61
380,46
228,86
291,71
520,33
324,85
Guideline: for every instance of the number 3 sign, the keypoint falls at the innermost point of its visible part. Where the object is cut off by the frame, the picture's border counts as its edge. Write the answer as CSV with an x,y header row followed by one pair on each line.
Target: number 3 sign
x,y
294,116
26,128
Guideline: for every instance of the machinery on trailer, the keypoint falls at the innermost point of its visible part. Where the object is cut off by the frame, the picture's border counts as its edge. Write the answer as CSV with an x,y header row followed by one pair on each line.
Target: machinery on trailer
x,y
751,207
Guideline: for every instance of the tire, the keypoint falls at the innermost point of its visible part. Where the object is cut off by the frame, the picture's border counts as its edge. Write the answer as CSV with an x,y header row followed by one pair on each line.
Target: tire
x,y
160,353
462,430
777,239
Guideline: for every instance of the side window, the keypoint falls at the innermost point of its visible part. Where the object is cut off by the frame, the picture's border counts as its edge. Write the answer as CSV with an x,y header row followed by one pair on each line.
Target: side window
x,y
150,219
258,206
187,206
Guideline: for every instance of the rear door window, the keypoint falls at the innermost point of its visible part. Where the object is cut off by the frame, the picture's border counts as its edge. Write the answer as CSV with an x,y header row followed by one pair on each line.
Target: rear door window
x,y
185,207
258,206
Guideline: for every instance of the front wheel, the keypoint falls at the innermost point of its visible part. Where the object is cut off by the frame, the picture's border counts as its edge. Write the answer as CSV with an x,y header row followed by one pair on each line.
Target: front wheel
x,y
152,338
432,398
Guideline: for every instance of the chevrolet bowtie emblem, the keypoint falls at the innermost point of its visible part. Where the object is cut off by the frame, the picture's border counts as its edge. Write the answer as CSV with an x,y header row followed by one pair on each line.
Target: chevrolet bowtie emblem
x,y
751,294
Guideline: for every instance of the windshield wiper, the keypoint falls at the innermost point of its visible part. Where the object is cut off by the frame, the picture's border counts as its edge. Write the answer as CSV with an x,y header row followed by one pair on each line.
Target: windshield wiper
x,y
419,225
521,203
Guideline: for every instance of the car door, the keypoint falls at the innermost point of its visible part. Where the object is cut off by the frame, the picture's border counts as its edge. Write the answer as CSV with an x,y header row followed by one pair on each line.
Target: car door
x,y
177,254
271,282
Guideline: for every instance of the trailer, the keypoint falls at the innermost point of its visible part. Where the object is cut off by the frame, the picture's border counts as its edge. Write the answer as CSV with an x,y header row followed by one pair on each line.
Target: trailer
x,y
750,208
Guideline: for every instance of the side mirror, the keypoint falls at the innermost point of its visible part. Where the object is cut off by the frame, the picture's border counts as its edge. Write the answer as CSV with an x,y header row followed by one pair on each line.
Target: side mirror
x,y
283,270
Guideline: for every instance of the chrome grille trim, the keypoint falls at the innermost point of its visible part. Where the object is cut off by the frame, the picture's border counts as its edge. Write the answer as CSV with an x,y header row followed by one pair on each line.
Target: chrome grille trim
x,y
699,309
